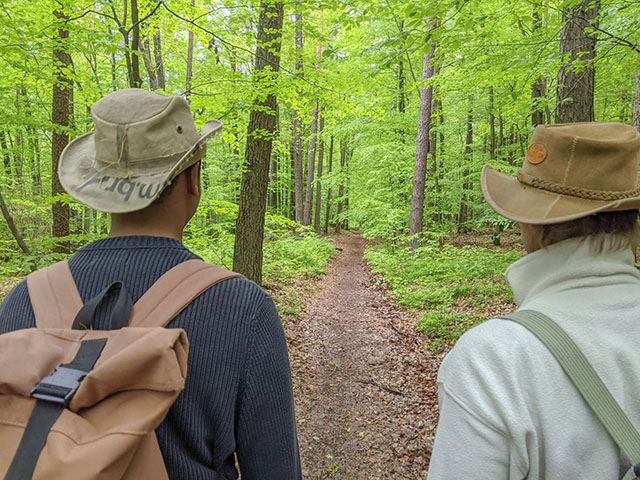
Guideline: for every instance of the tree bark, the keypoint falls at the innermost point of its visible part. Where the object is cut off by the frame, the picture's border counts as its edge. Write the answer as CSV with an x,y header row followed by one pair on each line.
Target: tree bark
x,y
187,90
434,171
576,82
538,89
422,145
62,91
148,62
297,124
329,192
157,54
467,186
492,125
343,161
316,222
308,199
247,255
636,102
136,80
311,163
12,226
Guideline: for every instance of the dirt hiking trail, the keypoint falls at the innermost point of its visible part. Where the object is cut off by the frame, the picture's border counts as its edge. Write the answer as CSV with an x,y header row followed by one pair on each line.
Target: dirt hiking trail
x,y
363,382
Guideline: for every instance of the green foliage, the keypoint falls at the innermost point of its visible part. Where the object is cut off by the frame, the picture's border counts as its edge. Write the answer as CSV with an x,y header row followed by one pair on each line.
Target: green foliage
x,y
452,285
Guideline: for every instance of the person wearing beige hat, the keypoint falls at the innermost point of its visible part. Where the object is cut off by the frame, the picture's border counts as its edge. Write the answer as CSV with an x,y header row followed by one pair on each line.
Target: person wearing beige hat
x,y
508,410
141,164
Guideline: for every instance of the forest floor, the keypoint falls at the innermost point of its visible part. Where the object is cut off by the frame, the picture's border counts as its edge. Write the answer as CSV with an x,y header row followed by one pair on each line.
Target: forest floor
x,y
364,385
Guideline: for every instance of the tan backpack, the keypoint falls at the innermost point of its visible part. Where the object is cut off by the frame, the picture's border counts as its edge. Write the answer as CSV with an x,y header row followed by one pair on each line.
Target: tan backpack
x,y
77,403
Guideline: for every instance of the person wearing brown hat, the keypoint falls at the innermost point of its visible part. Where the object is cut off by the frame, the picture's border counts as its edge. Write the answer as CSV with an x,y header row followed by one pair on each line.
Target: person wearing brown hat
x,y
142,165
507,408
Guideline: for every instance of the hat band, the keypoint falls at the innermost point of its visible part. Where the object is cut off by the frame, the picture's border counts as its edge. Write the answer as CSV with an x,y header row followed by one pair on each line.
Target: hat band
x,y
579,192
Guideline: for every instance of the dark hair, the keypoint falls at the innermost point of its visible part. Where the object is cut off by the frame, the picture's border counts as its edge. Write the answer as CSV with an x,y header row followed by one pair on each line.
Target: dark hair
x,y
169,188
623,224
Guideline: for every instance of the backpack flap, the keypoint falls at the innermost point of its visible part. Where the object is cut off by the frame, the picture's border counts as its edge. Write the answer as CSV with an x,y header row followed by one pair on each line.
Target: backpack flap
x,y
139,374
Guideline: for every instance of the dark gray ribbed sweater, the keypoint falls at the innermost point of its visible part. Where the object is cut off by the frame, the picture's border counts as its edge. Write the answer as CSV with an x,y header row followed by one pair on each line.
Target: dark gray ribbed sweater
x,y
238,395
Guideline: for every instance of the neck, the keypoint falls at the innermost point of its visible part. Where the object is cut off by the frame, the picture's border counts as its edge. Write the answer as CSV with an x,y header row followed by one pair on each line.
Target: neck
x,y
144,223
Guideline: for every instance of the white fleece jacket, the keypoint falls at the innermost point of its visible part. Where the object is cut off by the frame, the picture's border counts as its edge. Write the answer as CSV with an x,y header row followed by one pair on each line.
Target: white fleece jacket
x,y
507,409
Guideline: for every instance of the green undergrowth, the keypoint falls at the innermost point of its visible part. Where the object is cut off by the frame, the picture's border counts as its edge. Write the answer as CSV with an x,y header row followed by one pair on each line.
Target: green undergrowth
x,y
454,287
292,254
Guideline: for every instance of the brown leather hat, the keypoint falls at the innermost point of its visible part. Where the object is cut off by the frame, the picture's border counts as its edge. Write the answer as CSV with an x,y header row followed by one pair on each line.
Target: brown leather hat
x,y
571,171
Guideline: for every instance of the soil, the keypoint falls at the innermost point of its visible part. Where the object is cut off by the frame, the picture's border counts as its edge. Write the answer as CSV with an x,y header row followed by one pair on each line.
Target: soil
x,y
364,385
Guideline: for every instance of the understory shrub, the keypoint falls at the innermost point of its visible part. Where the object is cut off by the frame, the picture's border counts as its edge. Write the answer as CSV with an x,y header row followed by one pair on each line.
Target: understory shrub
x,y
453,287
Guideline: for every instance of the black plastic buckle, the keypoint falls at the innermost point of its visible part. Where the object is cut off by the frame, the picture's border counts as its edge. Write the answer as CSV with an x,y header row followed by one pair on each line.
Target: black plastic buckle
x,y
636,470
60,386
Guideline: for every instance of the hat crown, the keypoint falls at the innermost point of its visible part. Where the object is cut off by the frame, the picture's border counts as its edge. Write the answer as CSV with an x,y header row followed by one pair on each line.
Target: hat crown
x,y
141,132
589,157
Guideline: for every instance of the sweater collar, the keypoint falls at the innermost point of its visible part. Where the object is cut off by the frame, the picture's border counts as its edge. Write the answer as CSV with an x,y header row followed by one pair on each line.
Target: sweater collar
x,y
134,241
561,264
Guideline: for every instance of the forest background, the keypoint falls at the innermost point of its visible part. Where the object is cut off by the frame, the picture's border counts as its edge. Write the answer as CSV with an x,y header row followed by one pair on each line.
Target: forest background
x,y
339,114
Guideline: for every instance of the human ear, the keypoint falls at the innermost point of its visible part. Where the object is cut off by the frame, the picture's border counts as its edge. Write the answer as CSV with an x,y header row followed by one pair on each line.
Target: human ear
x,y
193,179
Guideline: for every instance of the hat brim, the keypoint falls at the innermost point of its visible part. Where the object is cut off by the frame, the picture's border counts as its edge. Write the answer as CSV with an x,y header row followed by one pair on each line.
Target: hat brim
x,y
105,193
524,204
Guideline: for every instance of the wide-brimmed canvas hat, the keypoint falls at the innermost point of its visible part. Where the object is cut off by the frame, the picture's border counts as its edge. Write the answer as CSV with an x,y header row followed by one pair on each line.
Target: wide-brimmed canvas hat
x,y
142,140
570,171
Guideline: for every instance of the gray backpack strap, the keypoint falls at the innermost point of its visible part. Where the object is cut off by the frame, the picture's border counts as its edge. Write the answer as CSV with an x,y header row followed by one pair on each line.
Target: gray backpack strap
x,y
587,381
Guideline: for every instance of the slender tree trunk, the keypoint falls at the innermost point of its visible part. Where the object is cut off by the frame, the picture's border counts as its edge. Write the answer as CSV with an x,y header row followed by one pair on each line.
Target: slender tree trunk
x,y
636,102
329,192
247,255
401,86
434,171
136,81
149,64
297,124
62,90
343,161
316,222
422,145
36,177
308,198
492,125
576,88
467,186
157,53
12,226
187,89
539,88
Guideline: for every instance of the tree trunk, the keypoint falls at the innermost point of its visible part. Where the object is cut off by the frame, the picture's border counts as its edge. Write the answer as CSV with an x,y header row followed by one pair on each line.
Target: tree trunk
x,y
62,90
297,125
316,222
575,88
343,161
434,171
6,155
328,210
148,63
308,199
538,89
422,145
311,163
187,90
467,186
492,125
247,255
636,102
136,81
12,226
157,53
